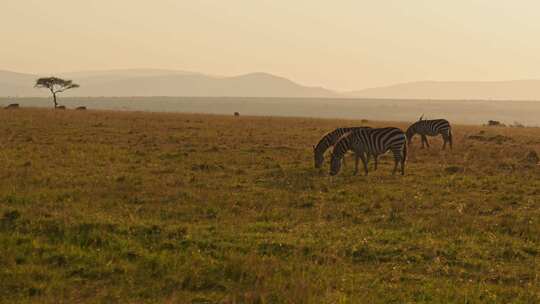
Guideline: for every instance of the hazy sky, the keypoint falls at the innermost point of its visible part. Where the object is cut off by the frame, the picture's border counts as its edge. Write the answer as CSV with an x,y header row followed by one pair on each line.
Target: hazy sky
x,y
341,44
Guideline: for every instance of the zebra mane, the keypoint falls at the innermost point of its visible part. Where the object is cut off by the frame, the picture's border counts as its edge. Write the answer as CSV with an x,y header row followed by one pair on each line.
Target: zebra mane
x,y
343,137
325,139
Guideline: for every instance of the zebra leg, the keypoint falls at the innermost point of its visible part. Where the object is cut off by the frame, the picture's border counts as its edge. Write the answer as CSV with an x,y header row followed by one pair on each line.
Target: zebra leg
x,y
402,166
427,143
376,157
403,158
422,139
444,142
399,155
356,157
396,162
365,161
368,156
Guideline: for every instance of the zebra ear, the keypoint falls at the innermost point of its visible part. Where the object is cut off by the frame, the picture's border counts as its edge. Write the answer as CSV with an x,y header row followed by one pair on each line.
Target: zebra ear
x,y
421,117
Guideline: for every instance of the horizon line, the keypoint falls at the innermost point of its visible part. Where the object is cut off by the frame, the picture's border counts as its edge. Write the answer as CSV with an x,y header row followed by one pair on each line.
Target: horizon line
x,y
39,74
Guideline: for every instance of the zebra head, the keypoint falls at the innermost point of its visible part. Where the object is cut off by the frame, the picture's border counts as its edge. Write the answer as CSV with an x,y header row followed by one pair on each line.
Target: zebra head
x,y
319,159
335,164
410,133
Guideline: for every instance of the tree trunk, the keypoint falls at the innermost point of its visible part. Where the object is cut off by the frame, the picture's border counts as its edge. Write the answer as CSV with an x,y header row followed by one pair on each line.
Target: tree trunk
x,y
54,99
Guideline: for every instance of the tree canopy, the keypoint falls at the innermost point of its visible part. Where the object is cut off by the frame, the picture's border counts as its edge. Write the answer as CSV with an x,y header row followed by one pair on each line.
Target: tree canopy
x,y
55,85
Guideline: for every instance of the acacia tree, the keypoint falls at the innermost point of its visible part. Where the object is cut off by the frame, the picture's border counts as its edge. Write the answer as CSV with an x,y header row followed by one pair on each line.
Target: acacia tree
x,y
55,85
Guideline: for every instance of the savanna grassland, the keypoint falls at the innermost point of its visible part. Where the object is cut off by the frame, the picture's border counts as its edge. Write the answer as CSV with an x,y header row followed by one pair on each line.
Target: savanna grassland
x,y
128,207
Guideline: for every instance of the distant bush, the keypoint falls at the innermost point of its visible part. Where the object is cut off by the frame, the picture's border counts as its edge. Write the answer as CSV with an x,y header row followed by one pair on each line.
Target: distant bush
x,y
532,157
12,106
495,123
517,124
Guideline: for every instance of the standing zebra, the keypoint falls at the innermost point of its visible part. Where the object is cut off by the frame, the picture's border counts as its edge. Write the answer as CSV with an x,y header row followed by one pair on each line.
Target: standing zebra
x,y
371,142
431,128
328,141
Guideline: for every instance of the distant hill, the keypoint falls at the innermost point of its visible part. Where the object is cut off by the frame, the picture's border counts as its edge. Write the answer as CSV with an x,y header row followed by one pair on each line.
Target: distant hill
x,y
94,77
159,82
456,90
149,82
17,84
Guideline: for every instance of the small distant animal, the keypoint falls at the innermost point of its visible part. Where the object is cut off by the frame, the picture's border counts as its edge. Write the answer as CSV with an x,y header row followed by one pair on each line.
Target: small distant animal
x,y
12,106
495,123
328,141
60,108
432,127
371,142
80,108
236,114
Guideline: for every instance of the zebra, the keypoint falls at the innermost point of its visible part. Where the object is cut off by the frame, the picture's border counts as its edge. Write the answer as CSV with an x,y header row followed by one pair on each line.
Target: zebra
x,y
328,141
371,142
432,127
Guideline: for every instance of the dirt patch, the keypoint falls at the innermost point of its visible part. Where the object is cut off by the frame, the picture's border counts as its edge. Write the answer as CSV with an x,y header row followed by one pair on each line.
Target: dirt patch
x,y
454,169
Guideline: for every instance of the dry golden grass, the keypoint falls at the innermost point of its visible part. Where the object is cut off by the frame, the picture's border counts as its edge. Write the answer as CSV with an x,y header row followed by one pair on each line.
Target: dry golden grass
x,y
147,207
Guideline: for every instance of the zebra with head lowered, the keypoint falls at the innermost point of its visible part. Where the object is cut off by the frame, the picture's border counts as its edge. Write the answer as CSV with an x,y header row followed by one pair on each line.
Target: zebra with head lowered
x,y
432,127
371,142
328,141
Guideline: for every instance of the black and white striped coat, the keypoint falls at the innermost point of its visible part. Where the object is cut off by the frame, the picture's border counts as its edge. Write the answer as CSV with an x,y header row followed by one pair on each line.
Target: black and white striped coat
x,y
328,141
432,127
371,142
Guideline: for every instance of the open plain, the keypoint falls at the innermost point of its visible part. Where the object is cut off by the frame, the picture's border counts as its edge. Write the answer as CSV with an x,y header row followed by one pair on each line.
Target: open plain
x,y
132,207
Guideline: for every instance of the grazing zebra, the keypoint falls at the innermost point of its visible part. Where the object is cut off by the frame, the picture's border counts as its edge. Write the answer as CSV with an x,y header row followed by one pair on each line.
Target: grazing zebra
x,y
431,128
371,142
328,141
